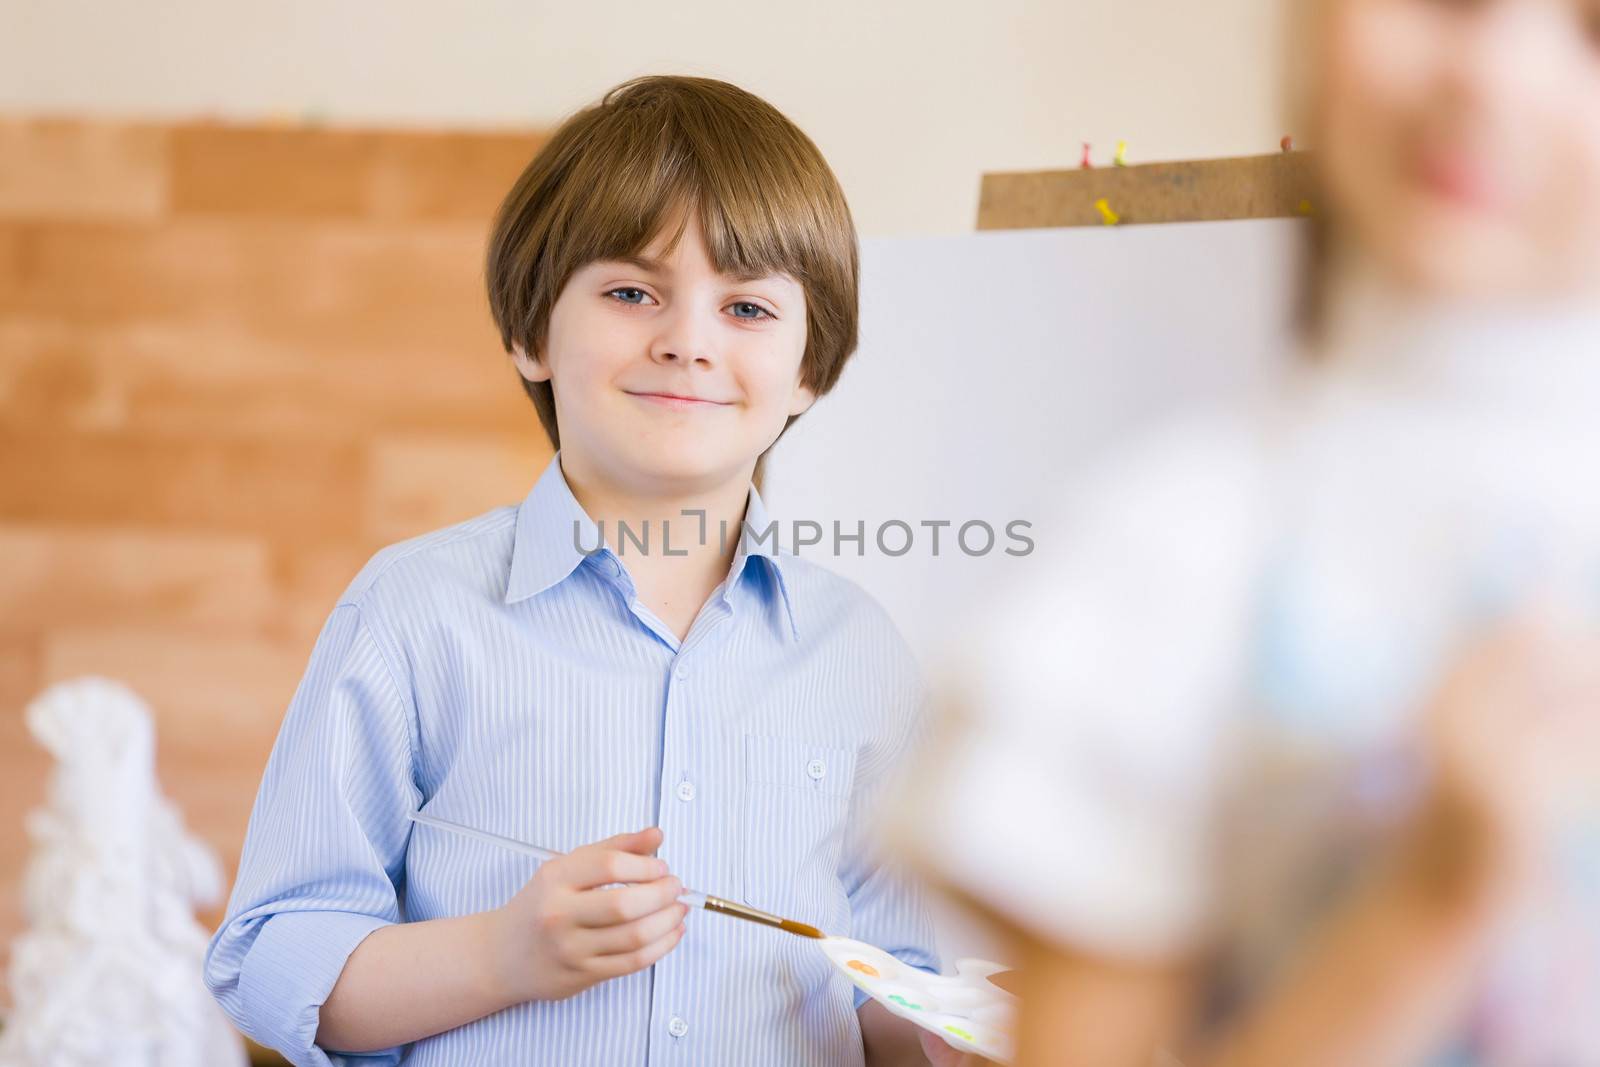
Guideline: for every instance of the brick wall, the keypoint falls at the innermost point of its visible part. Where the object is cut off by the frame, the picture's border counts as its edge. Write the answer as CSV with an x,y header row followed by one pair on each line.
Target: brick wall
x,y
234,361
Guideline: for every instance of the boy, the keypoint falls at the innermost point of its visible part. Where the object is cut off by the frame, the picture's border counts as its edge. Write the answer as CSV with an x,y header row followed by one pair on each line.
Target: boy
x,y
675,277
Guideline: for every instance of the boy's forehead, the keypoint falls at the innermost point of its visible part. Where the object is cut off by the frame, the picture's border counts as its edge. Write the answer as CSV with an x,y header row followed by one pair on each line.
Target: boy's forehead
x,y
691,231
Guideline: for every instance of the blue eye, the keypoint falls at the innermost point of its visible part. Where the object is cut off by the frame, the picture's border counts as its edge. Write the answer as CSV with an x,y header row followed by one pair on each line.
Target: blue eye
x,y
744,309
629,294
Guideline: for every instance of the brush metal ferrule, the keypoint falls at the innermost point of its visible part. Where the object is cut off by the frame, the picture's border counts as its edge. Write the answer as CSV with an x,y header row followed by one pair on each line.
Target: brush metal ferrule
x,y
756,915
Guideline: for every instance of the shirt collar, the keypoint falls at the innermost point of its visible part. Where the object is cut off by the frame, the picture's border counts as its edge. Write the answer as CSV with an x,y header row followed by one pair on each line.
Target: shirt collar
x,y
759,539
553,533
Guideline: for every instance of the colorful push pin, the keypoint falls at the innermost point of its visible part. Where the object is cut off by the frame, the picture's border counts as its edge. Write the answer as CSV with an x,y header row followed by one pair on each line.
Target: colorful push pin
x,y
1087,164
1109,217
1287,144
1306,208
1121,158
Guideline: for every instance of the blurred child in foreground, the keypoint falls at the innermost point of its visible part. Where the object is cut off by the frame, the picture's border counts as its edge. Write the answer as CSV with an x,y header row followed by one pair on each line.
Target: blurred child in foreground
x,y
1292,755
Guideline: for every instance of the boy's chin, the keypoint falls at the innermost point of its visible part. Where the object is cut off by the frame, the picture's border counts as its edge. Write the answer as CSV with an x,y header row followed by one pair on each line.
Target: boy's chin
x,y
1418,269
1461,263
684,467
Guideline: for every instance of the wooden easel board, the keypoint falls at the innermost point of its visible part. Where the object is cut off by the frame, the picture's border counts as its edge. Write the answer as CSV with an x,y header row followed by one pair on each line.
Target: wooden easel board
x,y
1208,190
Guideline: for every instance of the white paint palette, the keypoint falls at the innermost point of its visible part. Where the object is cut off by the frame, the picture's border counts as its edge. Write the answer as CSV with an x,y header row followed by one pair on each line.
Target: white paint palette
x,y
966,1008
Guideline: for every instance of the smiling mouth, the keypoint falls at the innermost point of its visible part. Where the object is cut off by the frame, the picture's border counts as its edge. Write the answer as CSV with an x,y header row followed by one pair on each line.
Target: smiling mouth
x,y
1457,180
678,400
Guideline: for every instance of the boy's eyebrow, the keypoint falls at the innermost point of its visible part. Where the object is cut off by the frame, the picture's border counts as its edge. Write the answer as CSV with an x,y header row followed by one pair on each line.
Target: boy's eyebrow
x,y
655,266
756,275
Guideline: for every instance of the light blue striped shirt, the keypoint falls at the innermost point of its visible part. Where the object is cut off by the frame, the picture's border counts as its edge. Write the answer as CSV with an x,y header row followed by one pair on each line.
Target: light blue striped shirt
x,y
494,674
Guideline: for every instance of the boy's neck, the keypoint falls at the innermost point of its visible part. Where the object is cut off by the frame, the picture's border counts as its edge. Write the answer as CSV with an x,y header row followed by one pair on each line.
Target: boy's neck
x,y
675,586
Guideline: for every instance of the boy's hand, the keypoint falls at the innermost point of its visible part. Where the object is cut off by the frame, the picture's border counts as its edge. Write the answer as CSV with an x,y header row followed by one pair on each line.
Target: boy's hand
x,y
1515,733
562,933
940,1052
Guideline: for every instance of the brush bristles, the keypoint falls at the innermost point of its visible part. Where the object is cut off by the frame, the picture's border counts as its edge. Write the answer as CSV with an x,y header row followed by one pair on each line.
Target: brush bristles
x,y
802,929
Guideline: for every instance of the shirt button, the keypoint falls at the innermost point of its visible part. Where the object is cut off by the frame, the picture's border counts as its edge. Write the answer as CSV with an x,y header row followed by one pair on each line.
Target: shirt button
x,y
677,1027
681,671
685,791
816,769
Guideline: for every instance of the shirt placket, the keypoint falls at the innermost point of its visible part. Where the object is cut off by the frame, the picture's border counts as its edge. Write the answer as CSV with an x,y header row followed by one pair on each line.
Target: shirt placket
x,y
693,799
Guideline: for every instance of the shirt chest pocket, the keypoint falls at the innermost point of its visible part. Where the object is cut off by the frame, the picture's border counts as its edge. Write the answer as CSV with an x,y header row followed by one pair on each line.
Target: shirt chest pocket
x,y
796,809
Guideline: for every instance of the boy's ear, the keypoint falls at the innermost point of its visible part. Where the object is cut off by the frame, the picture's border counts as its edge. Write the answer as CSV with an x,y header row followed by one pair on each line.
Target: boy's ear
x,y
802,400
530,367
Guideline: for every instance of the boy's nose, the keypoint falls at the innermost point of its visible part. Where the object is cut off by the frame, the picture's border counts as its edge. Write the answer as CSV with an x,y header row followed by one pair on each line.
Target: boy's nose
x,y
684,338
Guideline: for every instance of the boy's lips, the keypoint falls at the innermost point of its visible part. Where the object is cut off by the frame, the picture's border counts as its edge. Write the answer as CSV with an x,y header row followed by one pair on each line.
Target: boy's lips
x,y
1460,181
681,401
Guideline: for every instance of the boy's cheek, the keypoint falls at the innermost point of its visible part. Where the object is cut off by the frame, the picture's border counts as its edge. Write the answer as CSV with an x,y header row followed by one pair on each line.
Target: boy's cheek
x,y
769,387
587,377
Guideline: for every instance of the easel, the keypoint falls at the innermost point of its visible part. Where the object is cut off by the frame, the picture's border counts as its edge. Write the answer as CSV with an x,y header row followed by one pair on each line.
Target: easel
x,y
1281,185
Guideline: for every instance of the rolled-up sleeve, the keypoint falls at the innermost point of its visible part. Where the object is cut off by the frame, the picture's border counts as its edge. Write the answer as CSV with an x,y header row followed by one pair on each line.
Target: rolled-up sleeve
x,y
324,854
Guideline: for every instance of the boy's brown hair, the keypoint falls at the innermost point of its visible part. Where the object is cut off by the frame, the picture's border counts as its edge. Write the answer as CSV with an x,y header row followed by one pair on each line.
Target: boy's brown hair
x,y
617,172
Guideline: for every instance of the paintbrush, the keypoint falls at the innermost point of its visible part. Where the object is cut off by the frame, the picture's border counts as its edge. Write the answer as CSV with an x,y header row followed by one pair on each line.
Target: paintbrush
x,y
690,897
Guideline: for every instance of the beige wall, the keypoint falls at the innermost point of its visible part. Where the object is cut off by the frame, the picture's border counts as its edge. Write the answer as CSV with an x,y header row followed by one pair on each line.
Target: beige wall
x,y
911,101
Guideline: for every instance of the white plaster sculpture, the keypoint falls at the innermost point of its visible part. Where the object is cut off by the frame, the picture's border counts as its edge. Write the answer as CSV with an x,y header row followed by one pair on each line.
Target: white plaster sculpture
x,y
109,969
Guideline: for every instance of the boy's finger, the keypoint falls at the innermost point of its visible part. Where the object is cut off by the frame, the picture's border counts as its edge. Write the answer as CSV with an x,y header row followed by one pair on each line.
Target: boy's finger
x,y
596,866
629,936
611,907
620,963
642,842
